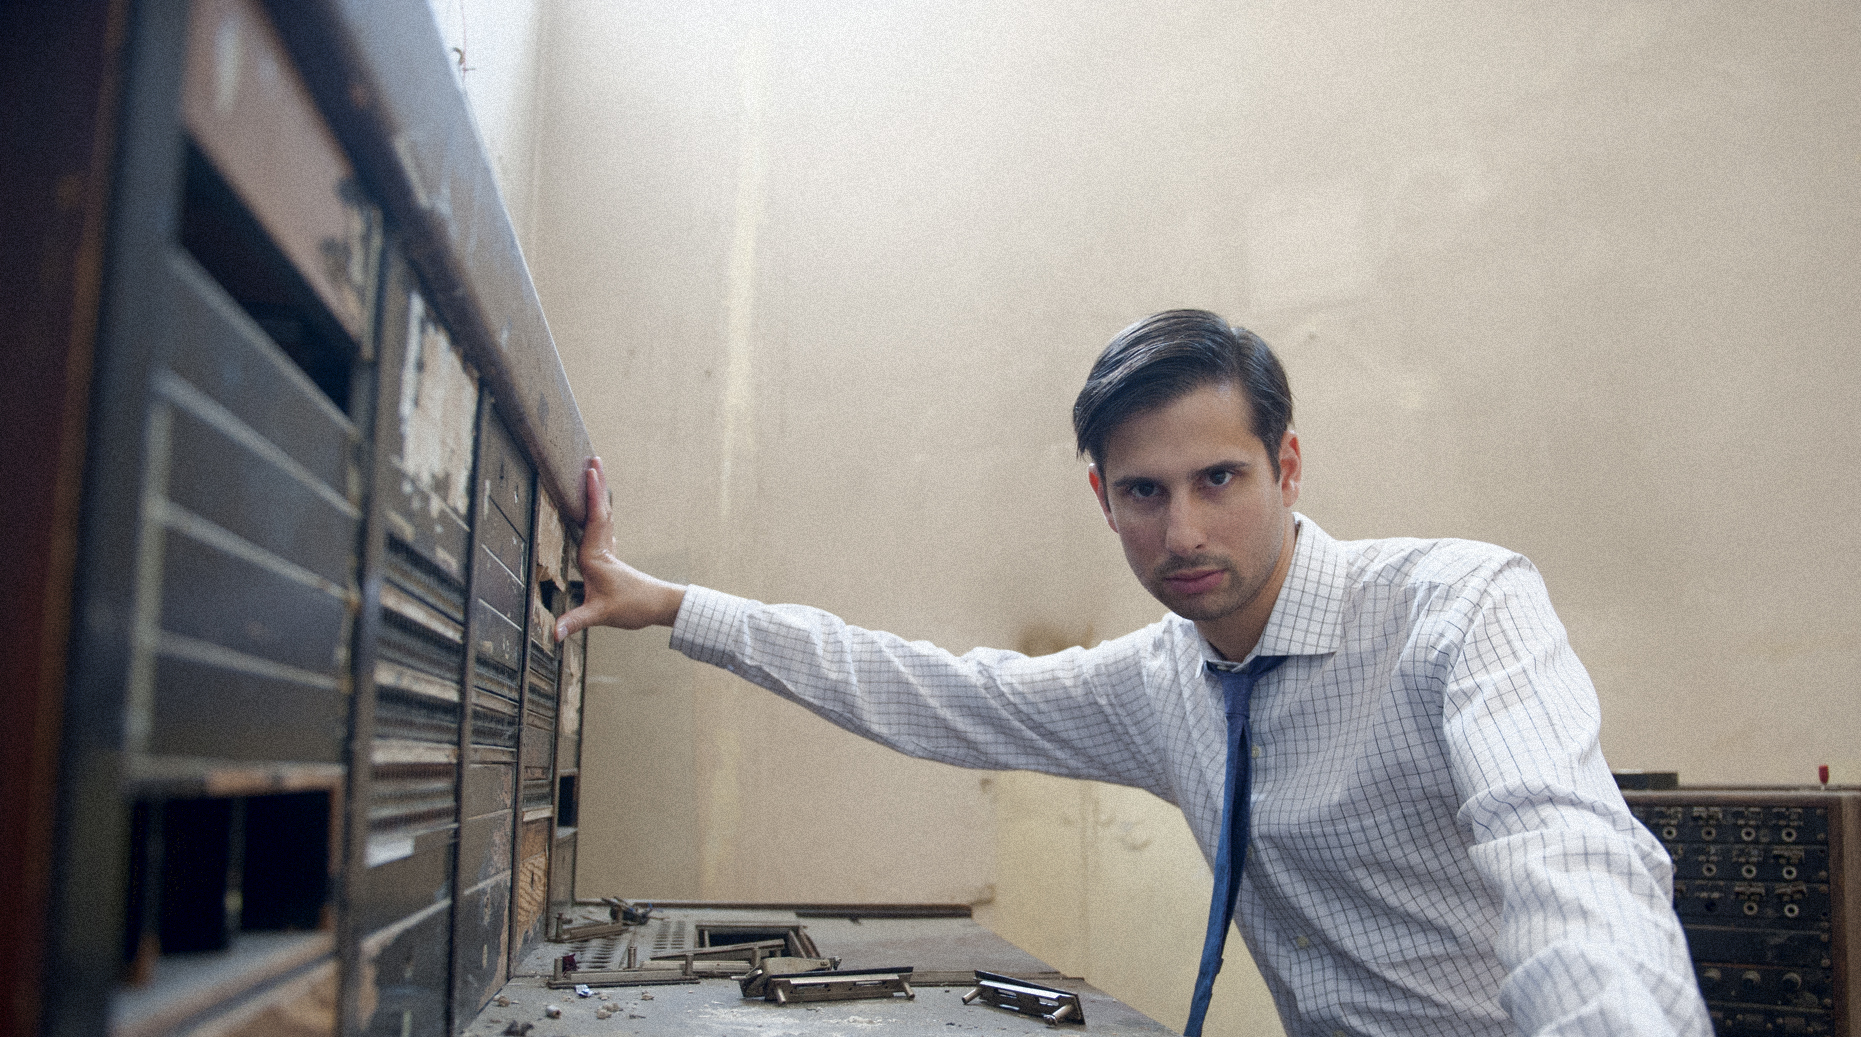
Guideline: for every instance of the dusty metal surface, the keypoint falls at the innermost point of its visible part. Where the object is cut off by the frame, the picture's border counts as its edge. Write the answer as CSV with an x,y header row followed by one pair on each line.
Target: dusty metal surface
x,y
949,948
245,106
378,67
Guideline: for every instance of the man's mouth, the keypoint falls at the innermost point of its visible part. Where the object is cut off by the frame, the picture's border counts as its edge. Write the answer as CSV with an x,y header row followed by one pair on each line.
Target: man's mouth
x,y
1195,581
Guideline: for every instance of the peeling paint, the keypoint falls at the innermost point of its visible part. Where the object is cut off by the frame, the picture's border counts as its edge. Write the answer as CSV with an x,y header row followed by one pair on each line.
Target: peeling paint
x,y
569,709
304,1007
439,405
542,621
549,540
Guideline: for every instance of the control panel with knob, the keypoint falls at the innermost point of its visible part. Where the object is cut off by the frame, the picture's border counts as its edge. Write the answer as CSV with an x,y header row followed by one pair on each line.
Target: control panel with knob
x,y
1765,886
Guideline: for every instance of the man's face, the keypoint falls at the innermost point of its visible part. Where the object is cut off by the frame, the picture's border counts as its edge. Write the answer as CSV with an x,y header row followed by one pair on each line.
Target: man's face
x,y
1205,524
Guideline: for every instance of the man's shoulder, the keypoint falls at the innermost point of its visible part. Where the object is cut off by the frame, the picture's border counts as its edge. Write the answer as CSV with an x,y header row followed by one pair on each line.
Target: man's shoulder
x,y
1151,653
1422,562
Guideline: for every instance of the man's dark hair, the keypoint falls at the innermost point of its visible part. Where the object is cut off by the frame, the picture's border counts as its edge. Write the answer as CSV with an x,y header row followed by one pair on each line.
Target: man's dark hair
x,y
1171,354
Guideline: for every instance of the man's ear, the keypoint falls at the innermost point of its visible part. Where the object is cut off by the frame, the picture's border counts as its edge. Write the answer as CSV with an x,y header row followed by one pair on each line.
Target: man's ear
x,y
1291,467
1098,490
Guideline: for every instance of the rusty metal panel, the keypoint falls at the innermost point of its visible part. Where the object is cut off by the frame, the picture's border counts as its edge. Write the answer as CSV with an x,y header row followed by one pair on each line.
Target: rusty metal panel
x,y
238,603
498,601
537,754
531,892
507,482
494,723
300,1007
249,111
380,69
501,551
433,445
549,544
226,361
218,471
488,789
569,705
485,846
404,974
213,712
481,945
562,873
394,891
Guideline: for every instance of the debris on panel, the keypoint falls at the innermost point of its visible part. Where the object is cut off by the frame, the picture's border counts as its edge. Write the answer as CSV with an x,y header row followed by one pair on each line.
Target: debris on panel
x,y
1051,1004
841,985
439,407
542,621
755,983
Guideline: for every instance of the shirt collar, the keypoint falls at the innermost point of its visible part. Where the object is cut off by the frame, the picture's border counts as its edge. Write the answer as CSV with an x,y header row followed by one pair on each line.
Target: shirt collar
x,y
1308,616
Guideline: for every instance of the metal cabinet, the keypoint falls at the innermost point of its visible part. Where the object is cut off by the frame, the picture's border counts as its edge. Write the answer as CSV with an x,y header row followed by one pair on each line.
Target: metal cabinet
x,y
313,727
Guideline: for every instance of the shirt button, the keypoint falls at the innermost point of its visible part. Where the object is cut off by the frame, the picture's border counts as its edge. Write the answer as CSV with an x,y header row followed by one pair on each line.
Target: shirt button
x,y
1303,942
1258,753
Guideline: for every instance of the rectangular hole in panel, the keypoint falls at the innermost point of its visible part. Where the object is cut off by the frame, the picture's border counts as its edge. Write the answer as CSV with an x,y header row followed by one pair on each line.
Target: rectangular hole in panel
x,y
229,243
566,815
207,871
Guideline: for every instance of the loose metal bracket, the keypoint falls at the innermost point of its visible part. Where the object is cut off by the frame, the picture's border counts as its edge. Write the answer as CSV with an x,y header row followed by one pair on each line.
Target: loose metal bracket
x,y
561,978
755,983
749,954
622,917
846,985
1018,995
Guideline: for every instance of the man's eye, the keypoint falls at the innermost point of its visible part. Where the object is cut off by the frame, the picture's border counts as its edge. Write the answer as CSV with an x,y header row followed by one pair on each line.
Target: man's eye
x,y
1221,478
1143,490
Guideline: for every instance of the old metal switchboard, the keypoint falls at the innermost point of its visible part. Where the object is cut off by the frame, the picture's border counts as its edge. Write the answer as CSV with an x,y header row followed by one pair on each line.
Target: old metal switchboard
x,y
1766,885
318,764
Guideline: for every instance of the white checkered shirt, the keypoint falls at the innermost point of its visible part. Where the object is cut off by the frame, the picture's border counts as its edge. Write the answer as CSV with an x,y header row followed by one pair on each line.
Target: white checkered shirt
x,y
1437,844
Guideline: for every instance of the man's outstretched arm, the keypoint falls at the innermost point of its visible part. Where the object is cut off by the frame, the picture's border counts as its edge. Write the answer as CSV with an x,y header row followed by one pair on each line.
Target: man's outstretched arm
x,y
615,594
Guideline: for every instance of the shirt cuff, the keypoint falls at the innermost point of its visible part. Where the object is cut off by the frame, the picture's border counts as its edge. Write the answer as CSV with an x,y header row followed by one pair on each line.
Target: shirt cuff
x,y
709,624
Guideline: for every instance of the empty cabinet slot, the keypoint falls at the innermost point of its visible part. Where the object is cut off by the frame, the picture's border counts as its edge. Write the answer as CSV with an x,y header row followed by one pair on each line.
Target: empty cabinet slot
x,y
224,238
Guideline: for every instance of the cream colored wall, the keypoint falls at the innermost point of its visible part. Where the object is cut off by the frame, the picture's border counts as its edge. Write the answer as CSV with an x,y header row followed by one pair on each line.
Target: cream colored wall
x,y
1578,279
493,47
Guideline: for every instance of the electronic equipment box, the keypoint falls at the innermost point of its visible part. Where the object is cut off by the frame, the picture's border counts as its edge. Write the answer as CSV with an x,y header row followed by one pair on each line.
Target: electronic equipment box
x,y
1766,885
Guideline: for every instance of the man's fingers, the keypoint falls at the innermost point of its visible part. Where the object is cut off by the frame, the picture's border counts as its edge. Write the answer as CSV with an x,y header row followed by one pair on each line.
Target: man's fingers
x,y
575,619
599,533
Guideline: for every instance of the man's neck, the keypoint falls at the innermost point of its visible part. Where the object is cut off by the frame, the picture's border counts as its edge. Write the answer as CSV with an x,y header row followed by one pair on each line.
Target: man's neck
x,y
1236,634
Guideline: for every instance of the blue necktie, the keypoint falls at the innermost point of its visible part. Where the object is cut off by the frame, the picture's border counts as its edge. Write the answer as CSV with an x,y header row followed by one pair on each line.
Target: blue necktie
x,y
1238,687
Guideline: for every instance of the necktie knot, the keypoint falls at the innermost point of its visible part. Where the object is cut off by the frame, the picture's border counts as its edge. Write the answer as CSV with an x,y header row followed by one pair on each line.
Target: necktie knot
x,y
1237,686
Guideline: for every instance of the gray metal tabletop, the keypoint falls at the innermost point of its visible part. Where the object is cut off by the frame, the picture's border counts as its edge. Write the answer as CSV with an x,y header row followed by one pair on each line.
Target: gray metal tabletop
x,y
943,952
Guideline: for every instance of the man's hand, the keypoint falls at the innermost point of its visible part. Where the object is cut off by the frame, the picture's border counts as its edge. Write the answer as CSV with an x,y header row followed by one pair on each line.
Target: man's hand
x,y
615,593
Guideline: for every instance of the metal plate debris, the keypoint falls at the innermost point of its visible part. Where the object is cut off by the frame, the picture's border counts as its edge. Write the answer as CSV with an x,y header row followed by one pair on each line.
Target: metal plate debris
x,y
1051,1004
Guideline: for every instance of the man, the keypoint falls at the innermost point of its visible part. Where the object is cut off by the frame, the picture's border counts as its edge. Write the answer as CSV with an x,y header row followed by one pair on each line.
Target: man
x,y
1409,795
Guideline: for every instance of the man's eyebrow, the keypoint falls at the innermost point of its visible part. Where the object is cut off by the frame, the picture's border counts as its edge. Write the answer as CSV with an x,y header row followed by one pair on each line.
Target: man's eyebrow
x,y
1228,465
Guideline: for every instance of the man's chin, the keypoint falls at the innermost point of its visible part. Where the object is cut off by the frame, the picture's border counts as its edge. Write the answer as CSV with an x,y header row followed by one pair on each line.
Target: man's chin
x,y
1199,608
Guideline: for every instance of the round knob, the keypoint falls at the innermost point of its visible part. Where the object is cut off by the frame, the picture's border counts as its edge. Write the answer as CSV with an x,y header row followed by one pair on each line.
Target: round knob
x,y
1751,979
1792,981
1710,978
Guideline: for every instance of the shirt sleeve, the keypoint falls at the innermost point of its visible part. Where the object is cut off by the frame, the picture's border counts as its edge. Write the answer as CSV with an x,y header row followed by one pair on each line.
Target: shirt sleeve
x,y
1079,713
1588,935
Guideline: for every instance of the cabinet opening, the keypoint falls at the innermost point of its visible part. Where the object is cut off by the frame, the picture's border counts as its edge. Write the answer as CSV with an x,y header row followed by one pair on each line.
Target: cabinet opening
x,y
227,241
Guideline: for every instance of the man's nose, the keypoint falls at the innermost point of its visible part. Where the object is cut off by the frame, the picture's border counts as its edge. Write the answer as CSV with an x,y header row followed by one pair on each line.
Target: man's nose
x,y
1183,535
